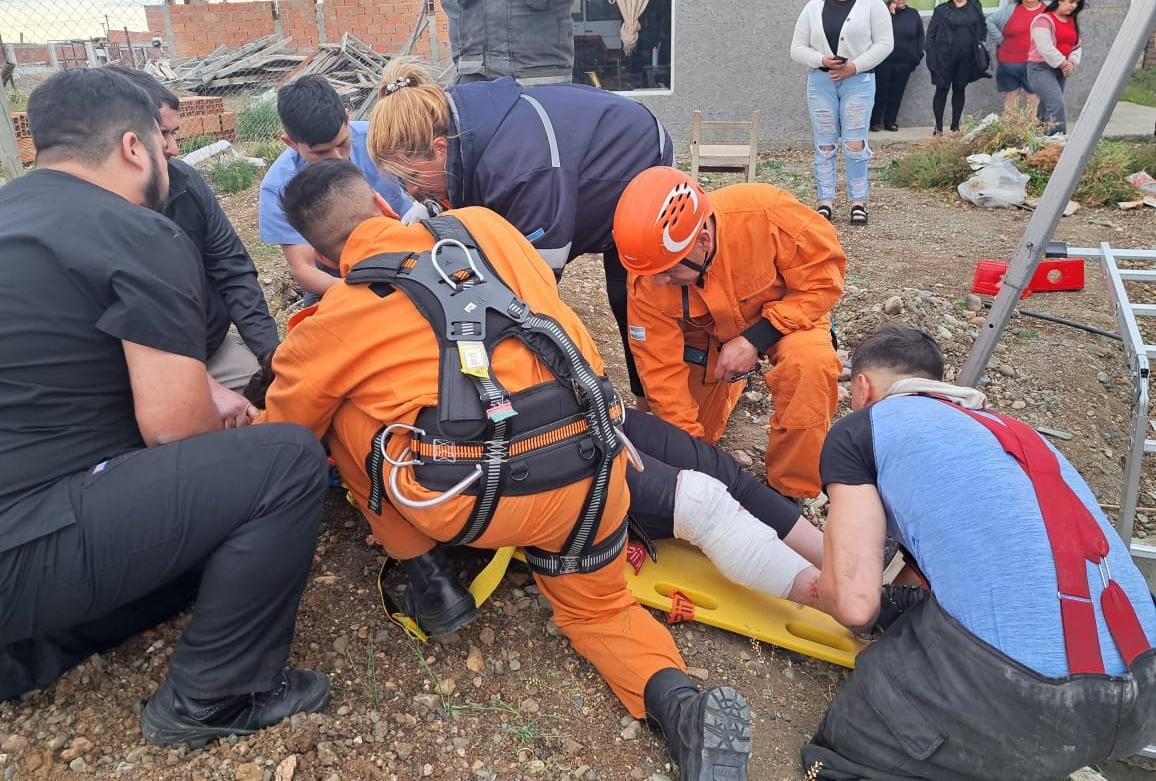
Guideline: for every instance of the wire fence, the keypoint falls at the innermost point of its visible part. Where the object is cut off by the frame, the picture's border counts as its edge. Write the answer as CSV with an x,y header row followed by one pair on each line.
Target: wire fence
x,y
224,59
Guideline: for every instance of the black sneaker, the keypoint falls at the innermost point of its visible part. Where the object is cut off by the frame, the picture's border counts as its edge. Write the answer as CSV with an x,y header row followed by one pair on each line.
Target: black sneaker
x,y
171,718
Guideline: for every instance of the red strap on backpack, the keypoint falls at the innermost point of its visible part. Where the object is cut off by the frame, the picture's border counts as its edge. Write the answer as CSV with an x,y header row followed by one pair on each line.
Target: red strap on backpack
x,y
1076,538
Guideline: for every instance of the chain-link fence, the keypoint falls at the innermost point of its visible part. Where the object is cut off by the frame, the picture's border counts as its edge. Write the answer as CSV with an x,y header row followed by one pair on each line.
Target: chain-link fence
x,y
224,59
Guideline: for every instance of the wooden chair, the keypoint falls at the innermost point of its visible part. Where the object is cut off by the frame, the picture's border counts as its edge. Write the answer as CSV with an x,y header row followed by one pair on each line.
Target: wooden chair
x,y
724,157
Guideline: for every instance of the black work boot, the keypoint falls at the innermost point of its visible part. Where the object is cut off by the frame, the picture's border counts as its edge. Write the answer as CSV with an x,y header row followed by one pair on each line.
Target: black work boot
x,y
435,598
708,733
171,718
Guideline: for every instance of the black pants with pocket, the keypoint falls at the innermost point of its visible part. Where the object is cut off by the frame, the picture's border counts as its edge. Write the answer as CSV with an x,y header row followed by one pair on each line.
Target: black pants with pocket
x,y
931,700
228,520
665,450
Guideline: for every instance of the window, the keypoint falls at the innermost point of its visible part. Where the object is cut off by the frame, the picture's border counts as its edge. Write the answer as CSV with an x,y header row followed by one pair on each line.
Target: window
x,y
599,58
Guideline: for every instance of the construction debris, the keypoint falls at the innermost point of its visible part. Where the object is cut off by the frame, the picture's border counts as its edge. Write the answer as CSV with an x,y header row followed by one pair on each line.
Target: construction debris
x,y
258,63
352,67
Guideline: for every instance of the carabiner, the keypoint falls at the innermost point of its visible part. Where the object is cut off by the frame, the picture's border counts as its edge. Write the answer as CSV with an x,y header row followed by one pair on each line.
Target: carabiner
x,y
422,504
433,258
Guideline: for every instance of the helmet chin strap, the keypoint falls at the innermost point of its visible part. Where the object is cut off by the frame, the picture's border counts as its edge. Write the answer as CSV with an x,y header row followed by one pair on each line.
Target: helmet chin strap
x,y
701,268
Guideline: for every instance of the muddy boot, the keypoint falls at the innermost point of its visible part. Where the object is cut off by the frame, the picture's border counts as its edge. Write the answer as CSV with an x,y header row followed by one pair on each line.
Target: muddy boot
x,y
435,598
708,733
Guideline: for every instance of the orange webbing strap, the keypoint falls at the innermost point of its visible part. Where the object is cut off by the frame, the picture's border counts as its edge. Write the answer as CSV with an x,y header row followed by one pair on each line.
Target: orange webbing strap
x,y
1076,538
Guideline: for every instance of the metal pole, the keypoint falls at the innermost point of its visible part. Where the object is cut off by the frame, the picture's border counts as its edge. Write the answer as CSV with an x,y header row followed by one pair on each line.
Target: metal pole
x,y
434,49
1130,41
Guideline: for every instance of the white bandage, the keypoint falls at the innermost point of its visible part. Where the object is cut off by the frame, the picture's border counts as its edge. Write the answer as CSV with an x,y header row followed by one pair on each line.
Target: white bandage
x,y
743,548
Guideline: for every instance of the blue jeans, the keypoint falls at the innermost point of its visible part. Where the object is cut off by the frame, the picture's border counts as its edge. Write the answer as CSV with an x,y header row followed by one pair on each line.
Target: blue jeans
x,y
840,111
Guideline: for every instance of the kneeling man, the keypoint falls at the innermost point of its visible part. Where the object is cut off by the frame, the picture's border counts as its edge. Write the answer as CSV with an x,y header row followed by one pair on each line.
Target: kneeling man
x,y
1031,654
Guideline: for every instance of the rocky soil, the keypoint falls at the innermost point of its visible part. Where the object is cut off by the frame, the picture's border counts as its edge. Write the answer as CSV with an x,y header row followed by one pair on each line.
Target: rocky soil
x,y
507,698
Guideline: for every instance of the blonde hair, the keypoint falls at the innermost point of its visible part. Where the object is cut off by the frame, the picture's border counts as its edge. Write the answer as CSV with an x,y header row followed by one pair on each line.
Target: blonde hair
x,y
412,110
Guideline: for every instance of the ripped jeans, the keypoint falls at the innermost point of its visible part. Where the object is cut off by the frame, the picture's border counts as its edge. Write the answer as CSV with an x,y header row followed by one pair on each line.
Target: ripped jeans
x,y
840,111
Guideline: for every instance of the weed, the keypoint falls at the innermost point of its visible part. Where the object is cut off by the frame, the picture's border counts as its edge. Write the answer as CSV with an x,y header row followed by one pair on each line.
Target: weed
x,y
1144,156
1015,129
1141,87
266,150
195,142
259,122
233,176
1103,181
936,164
17,101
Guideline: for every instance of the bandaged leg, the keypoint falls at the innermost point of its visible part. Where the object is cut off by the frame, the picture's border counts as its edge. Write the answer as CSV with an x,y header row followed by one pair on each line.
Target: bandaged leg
x,y
745,550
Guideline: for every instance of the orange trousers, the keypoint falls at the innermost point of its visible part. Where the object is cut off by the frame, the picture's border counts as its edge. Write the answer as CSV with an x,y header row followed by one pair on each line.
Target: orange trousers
x,y
597,612
803,380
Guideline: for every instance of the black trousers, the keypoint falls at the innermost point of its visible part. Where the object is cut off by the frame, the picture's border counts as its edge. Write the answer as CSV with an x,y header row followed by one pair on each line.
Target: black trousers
x,y
890,84
228,520
667,449
931,700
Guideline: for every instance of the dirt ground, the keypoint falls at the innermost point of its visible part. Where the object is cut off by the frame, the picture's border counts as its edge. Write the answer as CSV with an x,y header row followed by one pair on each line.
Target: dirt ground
x,y
507,698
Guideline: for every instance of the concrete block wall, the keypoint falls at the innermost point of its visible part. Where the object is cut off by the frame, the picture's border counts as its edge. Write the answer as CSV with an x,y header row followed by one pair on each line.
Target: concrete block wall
x,y
195,30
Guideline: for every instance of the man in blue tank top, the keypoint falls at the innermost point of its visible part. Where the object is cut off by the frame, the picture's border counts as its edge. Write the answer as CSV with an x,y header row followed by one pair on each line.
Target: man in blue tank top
x,y
972,678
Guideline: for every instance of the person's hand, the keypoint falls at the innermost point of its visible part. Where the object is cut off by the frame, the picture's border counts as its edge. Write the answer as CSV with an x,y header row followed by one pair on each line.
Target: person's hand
x,y
831,62
1067,68
738,356
415,213
843,71
233,408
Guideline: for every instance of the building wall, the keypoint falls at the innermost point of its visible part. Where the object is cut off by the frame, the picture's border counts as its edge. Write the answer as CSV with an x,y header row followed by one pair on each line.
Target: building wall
x,y
196,30
731,58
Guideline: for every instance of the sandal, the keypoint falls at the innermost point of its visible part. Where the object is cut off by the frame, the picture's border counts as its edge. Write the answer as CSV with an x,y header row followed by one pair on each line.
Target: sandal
x,y
858,214
825,210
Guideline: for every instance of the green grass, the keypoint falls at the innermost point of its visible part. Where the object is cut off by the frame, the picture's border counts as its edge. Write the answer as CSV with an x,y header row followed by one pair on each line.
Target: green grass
x,y
1141,88
259,122
266,150
234,176
17,101
193,143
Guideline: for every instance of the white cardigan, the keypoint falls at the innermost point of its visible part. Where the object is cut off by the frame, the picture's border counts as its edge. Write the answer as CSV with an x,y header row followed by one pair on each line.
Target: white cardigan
x,y
866,38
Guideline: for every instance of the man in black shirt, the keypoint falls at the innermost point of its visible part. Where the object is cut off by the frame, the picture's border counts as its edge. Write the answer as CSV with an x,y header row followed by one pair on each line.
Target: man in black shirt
x,y
120,497
232,295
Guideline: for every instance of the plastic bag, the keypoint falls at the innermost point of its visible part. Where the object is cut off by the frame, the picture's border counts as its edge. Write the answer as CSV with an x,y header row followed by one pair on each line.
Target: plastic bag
x,y
996,186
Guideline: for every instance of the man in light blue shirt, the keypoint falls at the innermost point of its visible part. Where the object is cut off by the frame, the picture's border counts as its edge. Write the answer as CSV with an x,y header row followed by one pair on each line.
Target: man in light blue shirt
x,y
1019,662
316,127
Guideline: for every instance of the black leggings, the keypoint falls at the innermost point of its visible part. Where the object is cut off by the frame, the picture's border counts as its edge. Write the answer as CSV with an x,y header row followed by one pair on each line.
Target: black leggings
x,y
939,102
665,451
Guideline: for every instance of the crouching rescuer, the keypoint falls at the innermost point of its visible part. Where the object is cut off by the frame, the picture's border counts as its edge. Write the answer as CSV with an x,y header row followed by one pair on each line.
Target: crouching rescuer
x,y
465,403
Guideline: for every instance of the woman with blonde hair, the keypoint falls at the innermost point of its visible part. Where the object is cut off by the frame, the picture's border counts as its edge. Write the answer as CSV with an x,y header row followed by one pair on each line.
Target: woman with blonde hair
x,y
552,160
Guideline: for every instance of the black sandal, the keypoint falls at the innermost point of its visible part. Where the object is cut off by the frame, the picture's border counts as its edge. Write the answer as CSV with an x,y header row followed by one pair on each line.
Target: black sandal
x,y
825,210
858,214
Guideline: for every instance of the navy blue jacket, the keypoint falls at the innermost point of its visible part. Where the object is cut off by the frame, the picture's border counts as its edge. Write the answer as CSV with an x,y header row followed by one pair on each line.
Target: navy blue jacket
x,y
552,160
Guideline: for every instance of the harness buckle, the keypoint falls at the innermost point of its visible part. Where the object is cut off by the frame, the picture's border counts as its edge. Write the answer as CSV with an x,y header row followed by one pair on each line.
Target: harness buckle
x,y
569,565
1105,571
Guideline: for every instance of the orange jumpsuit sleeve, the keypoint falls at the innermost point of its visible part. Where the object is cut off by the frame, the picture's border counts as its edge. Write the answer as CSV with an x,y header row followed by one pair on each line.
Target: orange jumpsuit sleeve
x,y
813,274
657,344
311,358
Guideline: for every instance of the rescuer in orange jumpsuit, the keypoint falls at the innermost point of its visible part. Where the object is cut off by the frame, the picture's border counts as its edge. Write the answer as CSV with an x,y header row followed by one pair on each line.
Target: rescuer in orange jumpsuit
x,y
369,358
718,280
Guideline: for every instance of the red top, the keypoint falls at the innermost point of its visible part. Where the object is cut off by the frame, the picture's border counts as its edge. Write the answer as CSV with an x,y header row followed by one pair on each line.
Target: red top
x,y
1066,36
1017,35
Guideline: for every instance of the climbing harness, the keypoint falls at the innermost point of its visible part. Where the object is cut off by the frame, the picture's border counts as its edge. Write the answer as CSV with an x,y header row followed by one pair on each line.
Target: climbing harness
x,y
481,440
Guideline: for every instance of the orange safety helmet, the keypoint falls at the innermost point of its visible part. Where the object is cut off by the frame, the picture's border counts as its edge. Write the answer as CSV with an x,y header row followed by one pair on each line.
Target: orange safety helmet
x,y
659,216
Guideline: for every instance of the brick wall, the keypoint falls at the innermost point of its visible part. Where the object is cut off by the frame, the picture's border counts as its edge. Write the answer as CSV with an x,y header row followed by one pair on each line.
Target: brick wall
x,y
383,24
